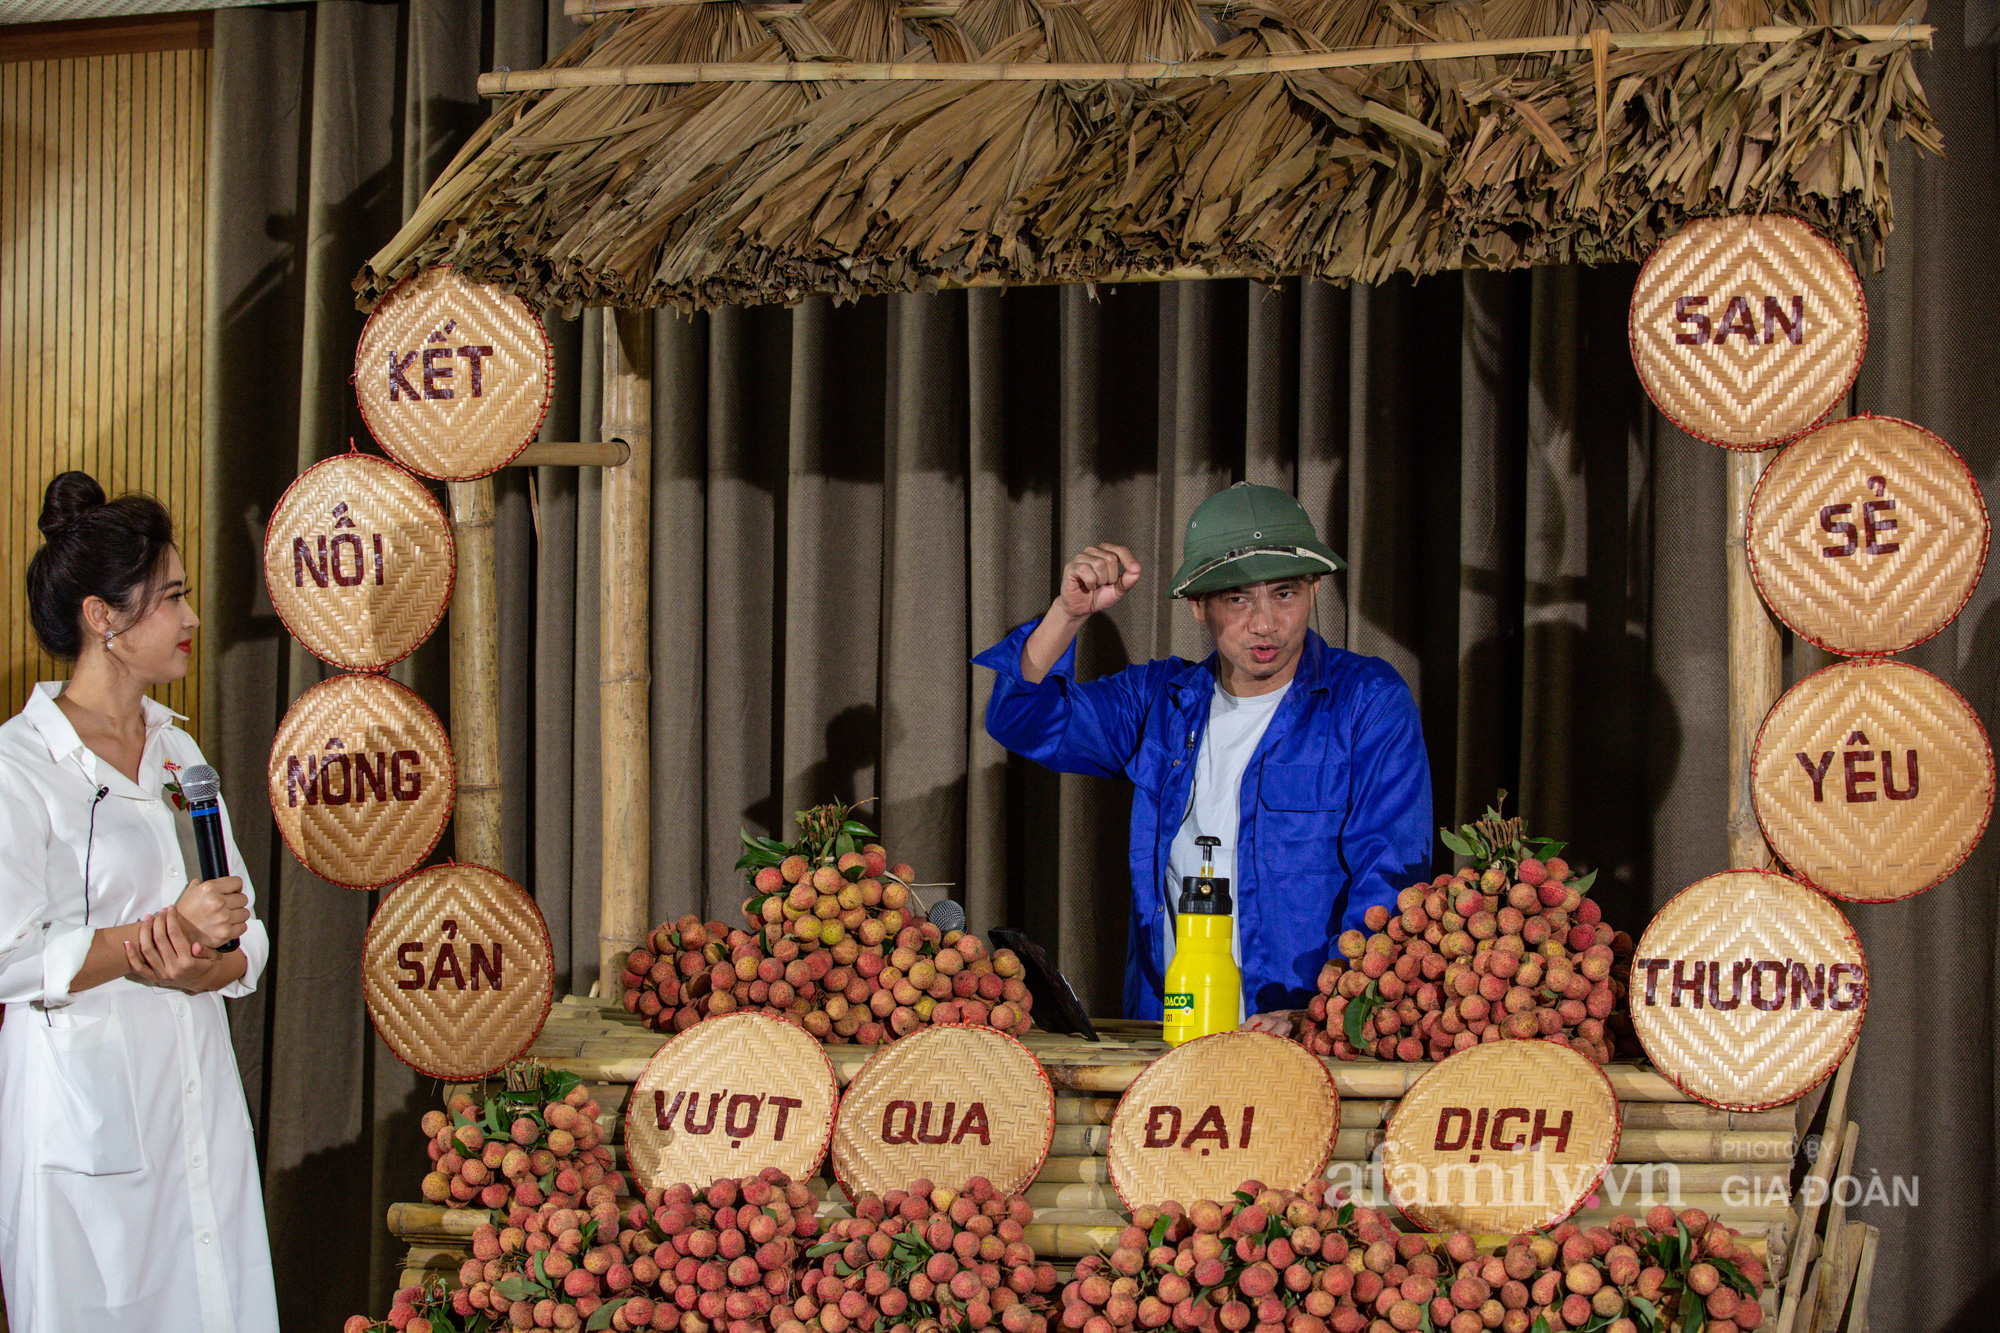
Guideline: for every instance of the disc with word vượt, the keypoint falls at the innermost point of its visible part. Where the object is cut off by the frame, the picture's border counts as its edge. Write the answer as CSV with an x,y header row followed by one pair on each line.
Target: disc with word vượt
x,y
1748,989
457,971
359,561
1872,780
730,1097
1217,1111
1747,331
361,780
453,376
945,1104
1502,1137
1867,536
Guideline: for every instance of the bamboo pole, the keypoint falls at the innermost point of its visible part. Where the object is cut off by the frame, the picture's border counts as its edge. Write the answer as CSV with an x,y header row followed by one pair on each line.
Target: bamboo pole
x,y
475,678
1756,663
625,640
601,453
1833,1137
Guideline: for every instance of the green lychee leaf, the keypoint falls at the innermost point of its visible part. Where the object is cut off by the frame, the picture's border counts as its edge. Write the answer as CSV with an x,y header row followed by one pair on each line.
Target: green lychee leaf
x,y
842,845
1583,882
560,1083
1541,1324
1245,1199
539,1269
1456,843
1360,1009
856,828
843,1268
824,1248
517,1287
601,1317
548,1182
1158,1234
1346,1215
1694,1316
1649,1314
1734,1277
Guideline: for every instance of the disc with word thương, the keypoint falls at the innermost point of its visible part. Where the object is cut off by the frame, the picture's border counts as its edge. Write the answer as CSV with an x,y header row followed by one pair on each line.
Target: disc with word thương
x,y
1501,1137
1747,331
458,971
453,376
1748,989
1217,1111
729,1097
359,561
945,1104
1872,779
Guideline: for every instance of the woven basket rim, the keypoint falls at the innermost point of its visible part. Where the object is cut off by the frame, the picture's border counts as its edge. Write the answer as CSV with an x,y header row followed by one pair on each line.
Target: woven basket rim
x,y
548,947
1867,985
1639,362
1979,569
451,801
548,381
1798,876
1049,1124
451,547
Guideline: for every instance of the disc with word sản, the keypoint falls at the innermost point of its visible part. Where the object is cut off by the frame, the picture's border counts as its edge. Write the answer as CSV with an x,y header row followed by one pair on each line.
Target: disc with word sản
x,y
1502,1137
1872,779
1217,1111
361,780
945,1104
458,971
359,561
1867,535
1748,989
729,1097
1747,331
453,376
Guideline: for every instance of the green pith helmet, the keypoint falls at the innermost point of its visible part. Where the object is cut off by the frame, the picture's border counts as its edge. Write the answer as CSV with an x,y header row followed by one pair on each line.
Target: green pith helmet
x,y
1249,534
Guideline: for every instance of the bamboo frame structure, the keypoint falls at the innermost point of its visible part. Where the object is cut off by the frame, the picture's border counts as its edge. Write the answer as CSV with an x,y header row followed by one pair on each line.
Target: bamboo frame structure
x,y
592,453
475,670
1756,663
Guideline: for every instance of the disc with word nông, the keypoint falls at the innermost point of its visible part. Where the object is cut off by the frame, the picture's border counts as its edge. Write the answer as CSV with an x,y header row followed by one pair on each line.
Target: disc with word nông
x,y
1748,989
458,971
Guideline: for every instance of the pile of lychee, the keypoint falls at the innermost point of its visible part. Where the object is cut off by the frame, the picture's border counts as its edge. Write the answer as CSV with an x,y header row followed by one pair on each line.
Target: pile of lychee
x,y
1271,1261
1508,947
525,1149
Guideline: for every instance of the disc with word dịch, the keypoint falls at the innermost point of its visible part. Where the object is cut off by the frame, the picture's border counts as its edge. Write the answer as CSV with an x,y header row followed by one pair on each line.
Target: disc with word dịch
x,y
361,780
1747,331
1748,989
458,971
945,1104
453,376
1501,1137
730,1097
1217,1111
1872,780
359,561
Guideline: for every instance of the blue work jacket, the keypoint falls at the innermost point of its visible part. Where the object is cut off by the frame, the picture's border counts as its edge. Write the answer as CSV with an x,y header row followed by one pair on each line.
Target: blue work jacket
x,y
1336,804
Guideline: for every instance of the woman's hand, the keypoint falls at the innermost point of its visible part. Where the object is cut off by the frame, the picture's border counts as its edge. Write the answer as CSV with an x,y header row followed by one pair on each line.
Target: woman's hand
x,y
163,955
1279,1022
213,911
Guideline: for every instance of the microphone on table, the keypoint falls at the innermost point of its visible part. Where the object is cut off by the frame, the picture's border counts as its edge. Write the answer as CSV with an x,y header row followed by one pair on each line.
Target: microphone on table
x,y
947,915
203,788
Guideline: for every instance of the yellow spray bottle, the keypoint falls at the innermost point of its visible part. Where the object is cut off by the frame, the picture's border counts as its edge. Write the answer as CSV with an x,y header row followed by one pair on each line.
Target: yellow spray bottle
x,y
1204,987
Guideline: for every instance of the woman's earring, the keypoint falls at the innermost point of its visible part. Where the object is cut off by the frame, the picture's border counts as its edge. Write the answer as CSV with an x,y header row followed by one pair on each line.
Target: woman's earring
x,y
109,635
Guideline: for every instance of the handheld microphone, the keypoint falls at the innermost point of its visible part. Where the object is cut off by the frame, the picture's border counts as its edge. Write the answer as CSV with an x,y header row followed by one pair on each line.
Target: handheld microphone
x,y
203,788
947,915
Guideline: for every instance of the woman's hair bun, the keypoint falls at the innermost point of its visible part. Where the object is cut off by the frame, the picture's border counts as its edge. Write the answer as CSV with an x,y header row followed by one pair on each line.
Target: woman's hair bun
x,y
68,499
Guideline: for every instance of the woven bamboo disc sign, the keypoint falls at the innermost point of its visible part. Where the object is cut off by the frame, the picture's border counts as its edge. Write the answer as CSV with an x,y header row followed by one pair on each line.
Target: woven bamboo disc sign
x,y
359,561
1748,989
1747,331
945,1104
1867,535
362,780
730,1097
1872,779
457,971
453,376
1217,1111
1502,1137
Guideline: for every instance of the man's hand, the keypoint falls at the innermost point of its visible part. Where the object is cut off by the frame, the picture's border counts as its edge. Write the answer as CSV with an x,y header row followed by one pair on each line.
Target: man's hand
x,y
1279,1022
164,955
214,911
1096,579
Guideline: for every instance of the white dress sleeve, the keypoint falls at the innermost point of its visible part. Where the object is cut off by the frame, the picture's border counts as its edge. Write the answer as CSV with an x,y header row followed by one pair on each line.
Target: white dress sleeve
x,y
39,956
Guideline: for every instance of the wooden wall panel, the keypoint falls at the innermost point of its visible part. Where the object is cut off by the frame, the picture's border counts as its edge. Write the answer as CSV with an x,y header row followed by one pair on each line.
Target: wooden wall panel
x,y
102,193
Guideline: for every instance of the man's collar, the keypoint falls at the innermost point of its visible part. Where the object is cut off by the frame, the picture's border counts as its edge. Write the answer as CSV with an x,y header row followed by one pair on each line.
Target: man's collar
x,y
1199,677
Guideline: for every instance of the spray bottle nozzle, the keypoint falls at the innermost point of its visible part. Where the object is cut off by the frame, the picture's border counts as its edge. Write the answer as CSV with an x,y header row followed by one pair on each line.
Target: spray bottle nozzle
x,y
1208,843
1205,893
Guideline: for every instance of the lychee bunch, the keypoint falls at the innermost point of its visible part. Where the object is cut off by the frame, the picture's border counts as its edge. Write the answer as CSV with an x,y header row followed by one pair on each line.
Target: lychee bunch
x,y
419,1308
524,1147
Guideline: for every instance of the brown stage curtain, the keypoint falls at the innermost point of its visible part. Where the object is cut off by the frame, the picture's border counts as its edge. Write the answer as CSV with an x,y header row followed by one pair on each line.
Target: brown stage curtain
x,y
850,501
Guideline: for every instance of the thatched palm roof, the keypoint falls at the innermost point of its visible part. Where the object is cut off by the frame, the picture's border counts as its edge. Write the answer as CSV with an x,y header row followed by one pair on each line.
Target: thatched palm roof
x,y
701,194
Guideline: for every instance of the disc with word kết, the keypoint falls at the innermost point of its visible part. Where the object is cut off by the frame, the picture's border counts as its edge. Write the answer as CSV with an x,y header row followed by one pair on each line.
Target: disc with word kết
x,y
1748,989
1867,535
359,561
1747,331
1502,1137
944,1104
1872,780
1217,1111
361,780
729,1097
458,971
453,376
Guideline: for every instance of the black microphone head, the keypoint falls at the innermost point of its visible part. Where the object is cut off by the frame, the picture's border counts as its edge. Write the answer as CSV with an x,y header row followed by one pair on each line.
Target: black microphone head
x,y
947,915
201,784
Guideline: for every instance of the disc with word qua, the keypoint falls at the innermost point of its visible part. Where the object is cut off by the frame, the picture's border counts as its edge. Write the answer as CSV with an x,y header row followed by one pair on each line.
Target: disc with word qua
x,y
1217,1111
453,376
729,1097
359,561
1747,331
458,971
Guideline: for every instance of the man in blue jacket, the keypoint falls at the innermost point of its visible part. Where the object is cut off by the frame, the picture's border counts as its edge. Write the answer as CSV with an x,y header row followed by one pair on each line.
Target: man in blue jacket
x,y
1305,760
